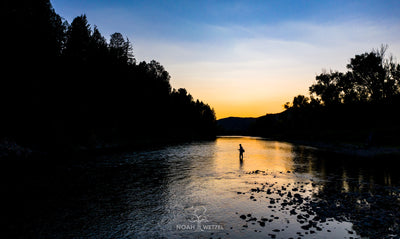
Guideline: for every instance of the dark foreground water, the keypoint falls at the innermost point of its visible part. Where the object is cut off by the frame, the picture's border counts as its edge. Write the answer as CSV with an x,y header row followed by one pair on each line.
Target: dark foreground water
x,y
202,190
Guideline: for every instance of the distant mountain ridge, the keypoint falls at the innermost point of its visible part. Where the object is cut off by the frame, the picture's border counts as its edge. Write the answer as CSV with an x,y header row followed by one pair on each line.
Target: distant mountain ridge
x,y
235,125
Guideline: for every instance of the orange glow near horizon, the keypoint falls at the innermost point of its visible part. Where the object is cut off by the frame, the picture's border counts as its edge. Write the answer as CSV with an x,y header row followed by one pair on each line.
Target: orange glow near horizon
x,y
246,109
234,103
248,94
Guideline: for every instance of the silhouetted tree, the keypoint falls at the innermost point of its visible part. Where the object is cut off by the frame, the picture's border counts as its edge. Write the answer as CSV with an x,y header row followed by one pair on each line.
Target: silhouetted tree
x,y
328,87
191,116
97,39
98,47
373,76
392,82
78,40
300,101
120,49
130,58
161,76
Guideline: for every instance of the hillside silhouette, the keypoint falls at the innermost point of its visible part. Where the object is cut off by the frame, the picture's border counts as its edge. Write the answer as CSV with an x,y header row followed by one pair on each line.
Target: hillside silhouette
x,y
235,125
65,87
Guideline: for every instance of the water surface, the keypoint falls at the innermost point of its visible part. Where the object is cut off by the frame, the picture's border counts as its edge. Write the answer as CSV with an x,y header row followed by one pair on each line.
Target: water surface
x,y
202,190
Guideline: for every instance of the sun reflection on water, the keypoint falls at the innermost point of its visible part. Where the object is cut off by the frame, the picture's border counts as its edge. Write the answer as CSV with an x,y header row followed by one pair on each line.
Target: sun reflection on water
x,y
259,155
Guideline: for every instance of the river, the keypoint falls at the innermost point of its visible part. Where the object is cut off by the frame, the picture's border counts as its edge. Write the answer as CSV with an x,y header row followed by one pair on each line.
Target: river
x,y
202,190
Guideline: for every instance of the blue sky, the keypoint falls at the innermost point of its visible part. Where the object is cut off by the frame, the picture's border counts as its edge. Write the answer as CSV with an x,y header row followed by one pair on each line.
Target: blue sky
x,y
245,58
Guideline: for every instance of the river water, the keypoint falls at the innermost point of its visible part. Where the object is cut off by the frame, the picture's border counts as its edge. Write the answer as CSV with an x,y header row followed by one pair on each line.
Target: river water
x,y
202,190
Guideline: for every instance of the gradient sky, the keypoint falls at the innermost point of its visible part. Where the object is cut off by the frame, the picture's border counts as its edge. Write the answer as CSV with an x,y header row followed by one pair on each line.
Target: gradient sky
x,y
245,58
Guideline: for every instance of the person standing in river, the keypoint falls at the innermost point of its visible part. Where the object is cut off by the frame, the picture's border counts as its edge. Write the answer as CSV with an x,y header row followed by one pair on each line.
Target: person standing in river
x,y
241,151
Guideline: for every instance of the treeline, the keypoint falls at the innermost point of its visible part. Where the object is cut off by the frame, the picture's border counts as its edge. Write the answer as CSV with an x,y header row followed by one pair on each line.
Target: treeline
x,y
357,106
64,86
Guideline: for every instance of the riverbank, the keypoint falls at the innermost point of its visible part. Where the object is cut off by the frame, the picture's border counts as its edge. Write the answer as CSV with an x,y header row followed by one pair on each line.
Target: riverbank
x,y
351,149
10,150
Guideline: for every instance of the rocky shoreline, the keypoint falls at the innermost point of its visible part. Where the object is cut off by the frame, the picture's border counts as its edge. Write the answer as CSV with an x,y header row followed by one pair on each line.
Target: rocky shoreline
x,y
10,149
374,213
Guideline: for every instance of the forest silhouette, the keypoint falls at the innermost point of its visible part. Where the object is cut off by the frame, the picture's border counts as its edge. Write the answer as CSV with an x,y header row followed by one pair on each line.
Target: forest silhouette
x,y
64,87
359,106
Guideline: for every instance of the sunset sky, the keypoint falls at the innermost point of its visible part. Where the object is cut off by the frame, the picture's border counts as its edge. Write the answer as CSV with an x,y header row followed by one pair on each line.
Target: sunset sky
x,y
245,58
